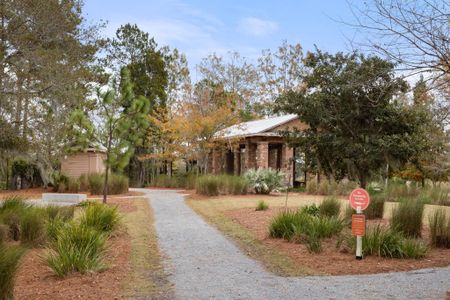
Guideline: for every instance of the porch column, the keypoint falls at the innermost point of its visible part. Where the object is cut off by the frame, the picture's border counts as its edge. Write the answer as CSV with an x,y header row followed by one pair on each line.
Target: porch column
x,y
262,155
250,154
237,161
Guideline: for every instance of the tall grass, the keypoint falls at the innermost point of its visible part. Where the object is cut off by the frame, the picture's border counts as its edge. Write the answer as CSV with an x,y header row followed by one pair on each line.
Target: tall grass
x,y
440,229
101,217
9,263
407,217
33,227
330,207
118,184
376,206
208,185
14,203
3,233
95,181
78,248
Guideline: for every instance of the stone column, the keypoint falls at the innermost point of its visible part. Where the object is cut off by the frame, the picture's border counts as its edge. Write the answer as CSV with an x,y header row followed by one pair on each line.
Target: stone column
x,y
262,155
237,161
250,154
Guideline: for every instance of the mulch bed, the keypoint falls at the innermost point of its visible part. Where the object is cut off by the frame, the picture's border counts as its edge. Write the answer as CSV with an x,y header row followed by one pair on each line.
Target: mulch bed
x,y
331,260
36,281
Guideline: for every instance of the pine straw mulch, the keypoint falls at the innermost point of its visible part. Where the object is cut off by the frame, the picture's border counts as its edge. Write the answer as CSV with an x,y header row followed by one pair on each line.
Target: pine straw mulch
x,y
331,260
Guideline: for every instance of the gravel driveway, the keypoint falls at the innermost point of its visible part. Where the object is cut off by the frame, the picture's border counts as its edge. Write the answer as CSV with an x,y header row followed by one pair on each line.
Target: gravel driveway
x,y
203,264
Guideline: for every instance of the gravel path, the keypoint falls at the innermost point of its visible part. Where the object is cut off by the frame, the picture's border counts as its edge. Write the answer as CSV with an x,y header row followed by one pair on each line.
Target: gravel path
x,y
203,264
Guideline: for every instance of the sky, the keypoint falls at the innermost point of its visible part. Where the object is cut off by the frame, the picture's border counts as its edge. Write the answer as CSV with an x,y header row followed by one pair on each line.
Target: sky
x,y
198,28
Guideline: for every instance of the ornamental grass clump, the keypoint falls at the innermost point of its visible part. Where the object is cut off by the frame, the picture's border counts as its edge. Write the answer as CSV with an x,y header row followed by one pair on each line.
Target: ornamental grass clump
x,y
208,185
118,184
9,264
264,181
95,182
390,243
376,207
101,217
440,229
407,217
33,227
330,207
301,227
77,248
262,206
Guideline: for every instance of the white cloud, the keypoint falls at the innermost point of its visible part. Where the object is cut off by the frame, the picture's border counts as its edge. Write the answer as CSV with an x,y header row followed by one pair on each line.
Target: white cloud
x,y
257,27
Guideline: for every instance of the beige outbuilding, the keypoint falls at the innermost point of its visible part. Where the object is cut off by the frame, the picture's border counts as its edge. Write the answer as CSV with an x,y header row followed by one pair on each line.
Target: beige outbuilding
x,y
90,161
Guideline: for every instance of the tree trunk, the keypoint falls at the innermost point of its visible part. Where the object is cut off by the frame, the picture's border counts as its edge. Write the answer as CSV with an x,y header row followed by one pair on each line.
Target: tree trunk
x,y
362,178
105,184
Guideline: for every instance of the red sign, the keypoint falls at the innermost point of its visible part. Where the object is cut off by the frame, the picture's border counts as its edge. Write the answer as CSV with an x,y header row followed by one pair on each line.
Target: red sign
x,y
358,224
359,198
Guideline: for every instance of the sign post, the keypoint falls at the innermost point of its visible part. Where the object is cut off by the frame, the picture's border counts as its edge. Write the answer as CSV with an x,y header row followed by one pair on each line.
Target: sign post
x,y
359,200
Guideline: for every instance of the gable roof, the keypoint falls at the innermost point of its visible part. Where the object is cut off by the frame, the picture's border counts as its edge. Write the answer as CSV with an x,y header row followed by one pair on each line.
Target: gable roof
x,y
258,127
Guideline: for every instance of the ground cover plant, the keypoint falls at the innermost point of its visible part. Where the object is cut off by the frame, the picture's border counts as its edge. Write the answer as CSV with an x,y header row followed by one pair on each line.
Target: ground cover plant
x,y
302,226
77,248
262,206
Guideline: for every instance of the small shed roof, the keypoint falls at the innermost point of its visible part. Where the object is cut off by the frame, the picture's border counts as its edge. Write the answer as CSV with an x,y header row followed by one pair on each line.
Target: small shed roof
x,y
258,127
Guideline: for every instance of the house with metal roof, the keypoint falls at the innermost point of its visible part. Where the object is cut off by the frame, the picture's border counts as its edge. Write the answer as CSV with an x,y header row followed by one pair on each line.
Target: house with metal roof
x,y
259,144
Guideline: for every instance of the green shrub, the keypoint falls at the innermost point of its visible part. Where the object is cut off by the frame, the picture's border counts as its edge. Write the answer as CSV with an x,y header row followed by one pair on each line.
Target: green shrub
x,y
208,185
101,217
312,210
262,206
407,217
73,185
4,230
311,187
264,181
77,248
117,184
376,207
9,263
330,207
32,227
60,182
413,248
440,229
95,183
312,240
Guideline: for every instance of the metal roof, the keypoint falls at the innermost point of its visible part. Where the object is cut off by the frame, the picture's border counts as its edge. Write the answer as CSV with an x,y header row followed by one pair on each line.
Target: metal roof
x,y
253,128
